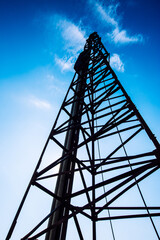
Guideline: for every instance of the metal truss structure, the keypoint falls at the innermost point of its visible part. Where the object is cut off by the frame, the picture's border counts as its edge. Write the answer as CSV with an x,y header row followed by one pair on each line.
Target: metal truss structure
x,y
103,151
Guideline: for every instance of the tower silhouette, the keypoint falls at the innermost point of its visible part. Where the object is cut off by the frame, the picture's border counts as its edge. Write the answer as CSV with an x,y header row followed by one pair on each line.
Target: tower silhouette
x,y
103,151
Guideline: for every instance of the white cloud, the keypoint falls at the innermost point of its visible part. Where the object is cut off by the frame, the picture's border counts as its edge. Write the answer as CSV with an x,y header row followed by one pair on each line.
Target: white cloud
x,y
117,35
65,64
73,35
39,103
116,62
106,15
73,38
122,37
55,85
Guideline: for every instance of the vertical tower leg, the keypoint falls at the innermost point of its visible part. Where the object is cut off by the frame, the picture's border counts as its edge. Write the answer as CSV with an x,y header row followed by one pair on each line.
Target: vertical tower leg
x,y
65,181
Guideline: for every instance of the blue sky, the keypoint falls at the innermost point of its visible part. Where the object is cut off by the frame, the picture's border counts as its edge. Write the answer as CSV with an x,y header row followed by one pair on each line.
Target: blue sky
x,y
39,43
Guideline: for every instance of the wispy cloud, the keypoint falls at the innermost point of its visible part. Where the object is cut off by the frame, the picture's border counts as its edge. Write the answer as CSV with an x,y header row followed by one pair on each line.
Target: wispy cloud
x,y
55,85
117,63
39,103
73,35
122,37
110,17
64,63
73,38
106,14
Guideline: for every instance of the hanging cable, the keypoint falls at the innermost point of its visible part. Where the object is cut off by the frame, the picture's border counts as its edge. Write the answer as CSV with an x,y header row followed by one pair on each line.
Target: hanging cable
x,y
99,153
140,192
111,225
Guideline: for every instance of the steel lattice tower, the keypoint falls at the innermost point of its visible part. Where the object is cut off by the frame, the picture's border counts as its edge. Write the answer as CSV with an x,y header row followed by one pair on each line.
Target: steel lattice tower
x,y
99,159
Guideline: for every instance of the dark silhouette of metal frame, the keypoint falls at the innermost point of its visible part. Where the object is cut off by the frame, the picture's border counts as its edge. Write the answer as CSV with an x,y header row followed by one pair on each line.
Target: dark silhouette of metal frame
x,y
95,109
